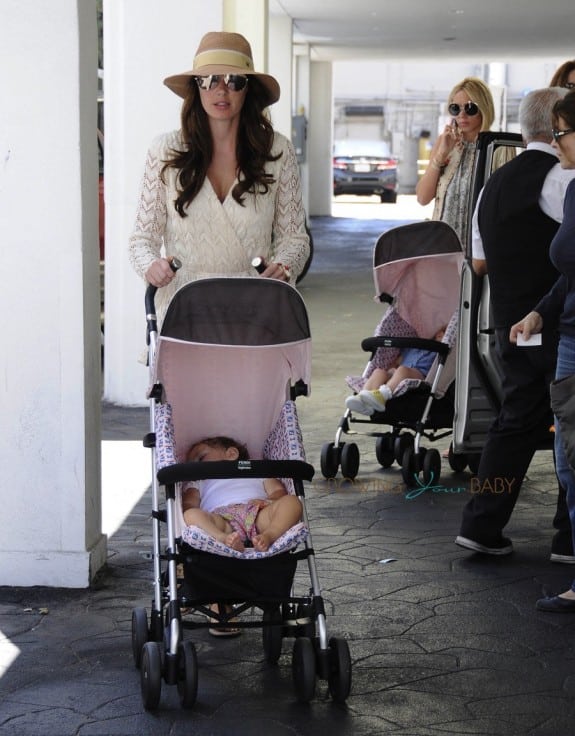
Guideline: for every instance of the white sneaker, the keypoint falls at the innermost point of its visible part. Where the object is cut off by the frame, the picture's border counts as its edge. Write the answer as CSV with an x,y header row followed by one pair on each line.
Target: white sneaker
x,y
356,404
373,399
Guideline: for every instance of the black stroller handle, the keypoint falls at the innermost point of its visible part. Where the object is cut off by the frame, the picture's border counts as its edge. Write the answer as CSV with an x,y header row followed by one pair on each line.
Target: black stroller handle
x,y
296,469
371,344
149,299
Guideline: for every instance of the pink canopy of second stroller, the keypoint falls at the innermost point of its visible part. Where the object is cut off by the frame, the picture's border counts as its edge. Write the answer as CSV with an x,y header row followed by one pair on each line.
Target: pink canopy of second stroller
x,y
417,269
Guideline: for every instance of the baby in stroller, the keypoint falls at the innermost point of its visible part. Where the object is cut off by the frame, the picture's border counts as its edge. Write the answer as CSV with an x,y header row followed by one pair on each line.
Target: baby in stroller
x,y
379,387
237,511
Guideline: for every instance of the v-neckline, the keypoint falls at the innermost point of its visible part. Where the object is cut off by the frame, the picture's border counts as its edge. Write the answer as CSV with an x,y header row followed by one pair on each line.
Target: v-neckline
x,y
221,201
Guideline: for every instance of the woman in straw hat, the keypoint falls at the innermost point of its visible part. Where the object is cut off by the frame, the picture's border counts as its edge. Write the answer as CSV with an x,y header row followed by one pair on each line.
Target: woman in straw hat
x,y
224,188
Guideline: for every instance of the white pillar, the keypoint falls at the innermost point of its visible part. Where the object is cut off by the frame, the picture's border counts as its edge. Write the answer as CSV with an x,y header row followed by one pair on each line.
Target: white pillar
x,y
497,81
302,105
145,41
49,301
320,129
250,18
280,64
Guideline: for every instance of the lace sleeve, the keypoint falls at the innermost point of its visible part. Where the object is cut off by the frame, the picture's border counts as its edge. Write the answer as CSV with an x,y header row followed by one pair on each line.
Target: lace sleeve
x,y
147,235
290,239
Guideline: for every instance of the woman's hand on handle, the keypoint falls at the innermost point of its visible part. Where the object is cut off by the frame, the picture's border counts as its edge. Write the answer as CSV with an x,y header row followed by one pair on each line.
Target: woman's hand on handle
x,y
160,272
271,270
277,271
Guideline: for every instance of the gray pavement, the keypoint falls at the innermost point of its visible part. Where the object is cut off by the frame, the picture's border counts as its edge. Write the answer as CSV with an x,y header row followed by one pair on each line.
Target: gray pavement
x,y
442,641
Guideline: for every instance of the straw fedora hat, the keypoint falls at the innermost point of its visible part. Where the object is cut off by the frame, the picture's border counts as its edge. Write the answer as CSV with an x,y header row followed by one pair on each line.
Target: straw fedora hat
x,y
223,53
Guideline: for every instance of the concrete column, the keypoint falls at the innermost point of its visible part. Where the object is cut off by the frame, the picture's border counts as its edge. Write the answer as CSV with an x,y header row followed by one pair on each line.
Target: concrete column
x,y
302,106
320,129
280,64
49,301
251,20
271,40
145,41
497,81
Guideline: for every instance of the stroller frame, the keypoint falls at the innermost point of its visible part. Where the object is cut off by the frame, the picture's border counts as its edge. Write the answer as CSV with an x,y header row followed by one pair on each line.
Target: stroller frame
x,y
159,648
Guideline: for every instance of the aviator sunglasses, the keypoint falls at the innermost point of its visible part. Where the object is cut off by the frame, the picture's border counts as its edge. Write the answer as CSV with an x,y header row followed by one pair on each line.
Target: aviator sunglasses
x,y
234,82
470,108
558,134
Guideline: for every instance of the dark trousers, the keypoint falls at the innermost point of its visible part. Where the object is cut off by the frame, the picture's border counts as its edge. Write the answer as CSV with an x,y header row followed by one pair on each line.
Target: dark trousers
x,y
518,431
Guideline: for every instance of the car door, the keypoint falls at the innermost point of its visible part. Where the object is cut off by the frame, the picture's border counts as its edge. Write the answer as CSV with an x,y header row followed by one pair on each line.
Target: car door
x,y
478,372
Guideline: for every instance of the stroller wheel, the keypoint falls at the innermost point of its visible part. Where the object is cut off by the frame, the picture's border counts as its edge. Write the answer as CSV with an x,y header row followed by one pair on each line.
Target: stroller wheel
x,y
303,669
349,460
187,674
457,463
329,460
151,675
409,471
384,450
272,635
339,679
401,444
140,634
431,467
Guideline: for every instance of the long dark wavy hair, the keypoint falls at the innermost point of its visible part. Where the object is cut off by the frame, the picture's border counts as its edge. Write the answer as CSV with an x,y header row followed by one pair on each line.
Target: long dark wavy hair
x,y
253,151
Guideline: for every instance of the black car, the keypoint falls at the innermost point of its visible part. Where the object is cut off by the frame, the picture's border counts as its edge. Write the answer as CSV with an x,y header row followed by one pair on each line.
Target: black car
x,y
365,168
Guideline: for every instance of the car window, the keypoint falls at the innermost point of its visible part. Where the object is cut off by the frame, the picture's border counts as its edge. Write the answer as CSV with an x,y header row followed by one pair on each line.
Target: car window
x,y
349,148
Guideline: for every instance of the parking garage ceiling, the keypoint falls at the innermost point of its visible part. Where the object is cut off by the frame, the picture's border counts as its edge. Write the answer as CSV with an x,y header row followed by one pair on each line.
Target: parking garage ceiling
x,y
487,30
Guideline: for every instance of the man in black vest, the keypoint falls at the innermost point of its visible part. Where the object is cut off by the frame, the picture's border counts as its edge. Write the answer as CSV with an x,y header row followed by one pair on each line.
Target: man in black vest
x,y
517,215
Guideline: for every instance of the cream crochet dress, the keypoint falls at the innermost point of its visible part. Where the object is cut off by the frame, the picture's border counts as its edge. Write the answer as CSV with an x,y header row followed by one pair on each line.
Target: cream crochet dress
x,y
218,238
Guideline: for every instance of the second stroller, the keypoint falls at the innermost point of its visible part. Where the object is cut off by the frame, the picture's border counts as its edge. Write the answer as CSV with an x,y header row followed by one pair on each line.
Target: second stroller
x,y
416,272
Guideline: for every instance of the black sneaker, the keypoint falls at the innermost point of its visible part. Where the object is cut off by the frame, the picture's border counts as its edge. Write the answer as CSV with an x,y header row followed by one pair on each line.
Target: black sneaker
x,y
501,546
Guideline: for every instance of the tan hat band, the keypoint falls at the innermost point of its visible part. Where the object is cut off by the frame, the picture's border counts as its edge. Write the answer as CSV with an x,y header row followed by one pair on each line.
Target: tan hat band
x,y
223,57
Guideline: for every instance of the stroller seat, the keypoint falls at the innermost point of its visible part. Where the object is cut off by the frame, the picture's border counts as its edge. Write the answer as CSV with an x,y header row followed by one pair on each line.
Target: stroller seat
x,y
393,324
283,443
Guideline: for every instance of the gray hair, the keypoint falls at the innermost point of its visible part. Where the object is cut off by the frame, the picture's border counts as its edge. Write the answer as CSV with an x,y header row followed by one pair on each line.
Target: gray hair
x,y
535,113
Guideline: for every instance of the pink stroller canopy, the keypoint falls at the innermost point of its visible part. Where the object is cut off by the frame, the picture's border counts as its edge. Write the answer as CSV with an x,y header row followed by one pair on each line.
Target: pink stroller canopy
x,y
227,354
417,268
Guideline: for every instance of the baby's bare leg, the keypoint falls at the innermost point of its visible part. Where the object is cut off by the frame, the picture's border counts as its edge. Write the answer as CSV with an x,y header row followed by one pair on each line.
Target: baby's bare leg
x,y
379,376
275,519
216,526
400,374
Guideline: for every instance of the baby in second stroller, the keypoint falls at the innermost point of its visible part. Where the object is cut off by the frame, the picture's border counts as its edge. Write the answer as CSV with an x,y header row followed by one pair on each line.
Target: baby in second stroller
x,y
379,387
238,511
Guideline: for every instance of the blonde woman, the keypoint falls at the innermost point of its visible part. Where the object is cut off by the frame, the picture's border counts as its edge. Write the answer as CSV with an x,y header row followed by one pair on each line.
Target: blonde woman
x,y
448,175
